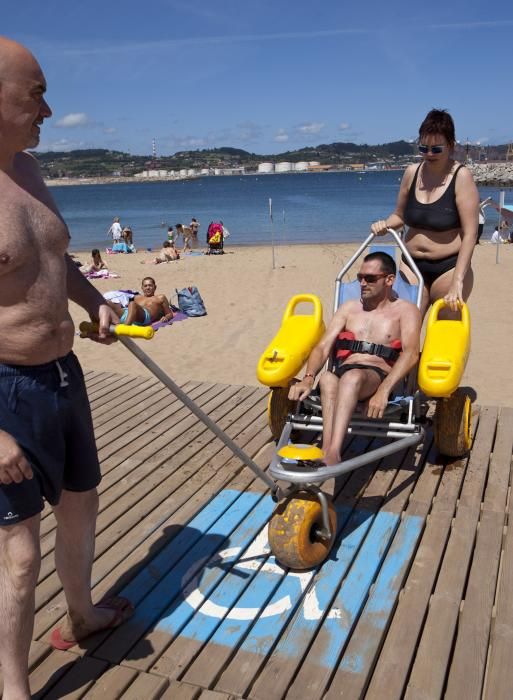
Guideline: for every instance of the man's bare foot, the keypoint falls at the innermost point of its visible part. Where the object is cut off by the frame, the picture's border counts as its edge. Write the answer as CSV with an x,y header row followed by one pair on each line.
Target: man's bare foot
x,y
107,614
331,458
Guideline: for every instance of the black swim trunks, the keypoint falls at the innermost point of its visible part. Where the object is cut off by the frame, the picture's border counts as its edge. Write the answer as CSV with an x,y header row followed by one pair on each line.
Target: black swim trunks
x,y
46,409
342,368
431,270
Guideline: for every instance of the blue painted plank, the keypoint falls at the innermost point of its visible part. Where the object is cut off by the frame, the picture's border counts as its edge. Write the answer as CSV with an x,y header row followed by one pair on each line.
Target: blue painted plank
x,y
340,621
360,655
264,633
211,540
167,557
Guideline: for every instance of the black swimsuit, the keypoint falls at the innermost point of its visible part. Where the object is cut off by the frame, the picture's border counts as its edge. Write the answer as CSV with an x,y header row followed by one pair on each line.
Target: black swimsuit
x,y
441,215
438,216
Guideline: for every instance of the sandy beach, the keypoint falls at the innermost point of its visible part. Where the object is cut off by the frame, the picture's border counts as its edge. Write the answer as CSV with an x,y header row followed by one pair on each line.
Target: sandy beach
x,y
245,300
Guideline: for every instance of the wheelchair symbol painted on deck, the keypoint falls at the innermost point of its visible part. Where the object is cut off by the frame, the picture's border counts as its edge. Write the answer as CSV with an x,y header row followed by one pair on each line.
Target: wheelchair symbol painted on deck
x,y
255,559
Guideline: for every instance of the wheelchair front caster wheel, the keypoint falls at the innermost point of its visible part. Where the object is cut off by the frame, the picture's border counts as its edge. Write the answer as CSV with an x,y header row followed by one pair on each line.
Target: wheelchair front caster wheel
x,y
453,425
295,532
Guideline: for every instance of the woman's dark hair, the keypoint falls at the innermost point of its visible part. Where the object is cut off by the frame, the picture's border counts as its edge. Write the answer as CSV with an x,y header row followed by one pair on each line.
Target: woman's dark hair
x,y
94,252
438,121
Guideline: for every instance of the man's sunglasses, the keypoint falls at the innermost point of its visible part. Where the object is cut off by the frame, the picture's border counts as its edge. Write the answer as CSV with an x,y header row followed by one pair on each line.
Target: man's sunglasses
x,y
370,279
433,149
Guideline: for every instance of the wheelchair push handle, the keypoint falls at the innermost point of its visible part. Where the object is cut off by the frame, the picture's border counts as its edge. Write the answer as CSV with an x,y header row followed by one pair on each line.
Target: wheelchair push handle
x,y
121,329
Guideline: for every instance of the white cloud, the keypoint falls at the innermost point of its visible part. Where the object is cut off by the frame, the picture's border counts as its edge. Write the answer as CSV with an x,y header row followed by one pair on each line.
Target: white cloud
x,y
281,136
73,120
110,130
311,128
344,126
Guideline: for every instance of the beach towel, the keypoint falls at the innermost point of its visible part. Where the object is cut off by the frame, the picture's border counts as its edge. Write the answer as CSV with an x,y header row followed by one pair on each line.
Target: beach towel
x,y
120,296
177,317
101,274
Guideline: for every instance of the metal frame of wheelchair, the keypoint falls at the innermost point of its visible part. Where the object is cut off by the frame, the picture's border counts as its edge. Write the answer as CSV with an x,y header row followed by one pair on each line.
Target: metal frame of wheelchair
x,y
303,526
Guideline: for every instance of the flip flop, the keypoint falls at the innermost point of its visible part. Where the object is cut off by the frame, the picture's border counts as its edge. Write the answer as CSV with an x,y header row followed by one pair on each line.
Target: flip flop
x,y
122,608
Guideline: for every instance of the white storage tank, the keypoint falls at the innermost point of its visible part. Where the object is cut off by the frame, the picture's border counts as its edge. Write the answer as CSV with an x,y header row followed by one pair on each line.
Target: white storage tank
x,y
183,172
162,173
301,166
191,171
314,164
218,171
205,171
266,168
283,167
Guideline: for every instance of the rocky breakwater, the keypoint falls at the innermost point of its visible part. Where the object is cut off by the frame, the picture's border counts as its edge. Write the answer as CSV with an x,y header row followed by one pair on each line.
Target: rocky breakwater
x,y
495,174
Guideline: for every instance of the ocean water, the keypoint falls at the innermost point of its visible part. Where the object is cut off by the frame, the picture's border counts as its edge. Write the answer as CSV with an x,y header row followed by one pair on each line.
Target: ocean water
x,y
306,207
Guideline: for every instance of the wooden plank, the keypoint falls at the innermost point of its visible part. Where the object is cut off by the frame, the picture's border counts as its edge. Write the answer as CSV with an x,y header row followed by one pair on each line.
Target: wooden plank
x,y
46,674
82,675
112,684
181,691
429,669
146,687
466,674
499,678
393,665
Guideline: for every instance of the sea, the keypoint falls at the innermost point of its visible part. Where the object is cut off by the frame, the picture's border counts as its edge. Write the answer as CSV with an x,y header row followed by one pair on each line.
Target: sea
x,y
331,207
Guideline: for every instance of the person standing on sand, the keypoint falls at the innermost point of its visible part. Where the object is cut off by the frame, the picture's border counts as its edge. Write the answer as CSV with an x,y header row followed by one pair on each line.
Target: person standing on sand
x,y
194,226
438,201
115,231
47,448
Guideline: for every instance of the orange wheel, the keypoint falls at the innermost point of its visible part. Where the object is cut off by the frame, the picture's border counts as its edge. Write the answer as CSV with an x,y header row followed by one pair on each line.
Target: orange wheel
x,y
453,425
294,532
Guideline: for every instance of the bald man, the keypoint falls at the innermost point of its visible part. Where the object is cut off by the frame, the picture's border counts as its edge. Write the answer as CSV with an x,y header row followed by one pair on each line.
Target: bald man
x,y
47,449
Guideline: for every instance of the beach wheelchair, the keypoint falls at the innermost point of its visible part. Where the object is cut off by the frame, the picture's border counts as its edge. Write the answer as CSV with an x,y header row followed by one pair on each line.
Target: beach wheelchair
x,y
303,526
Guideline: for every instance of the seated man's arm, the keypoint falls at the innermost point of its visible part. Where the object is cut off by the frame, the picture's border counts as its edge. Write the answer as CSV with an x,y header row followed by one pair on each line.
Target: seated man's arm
x,y
168,313
319,355
410,325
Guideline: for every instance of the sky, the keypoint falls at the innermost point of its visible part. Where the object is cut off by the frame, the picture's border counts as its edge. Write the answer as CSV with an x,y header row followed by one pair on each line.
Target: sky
x,y
265,75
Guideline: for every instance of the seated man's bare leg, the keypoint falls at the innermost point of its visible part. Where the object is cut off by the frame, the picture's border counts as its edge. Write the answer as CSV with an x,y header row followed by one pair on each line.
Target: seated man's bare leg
x,y
353,386
20,560
135,313
328,384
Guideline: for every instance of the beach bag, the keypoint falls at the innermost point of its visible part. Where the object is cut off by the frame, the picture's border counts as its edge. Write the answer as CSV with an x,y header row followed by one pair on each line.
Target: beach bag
x,y
190,301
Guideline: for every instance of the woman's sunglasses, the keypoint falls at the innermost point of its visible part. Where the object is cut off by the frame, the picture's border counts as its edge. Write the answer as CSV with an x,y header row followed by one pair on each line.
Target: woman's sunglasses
x,y
370,279
433,149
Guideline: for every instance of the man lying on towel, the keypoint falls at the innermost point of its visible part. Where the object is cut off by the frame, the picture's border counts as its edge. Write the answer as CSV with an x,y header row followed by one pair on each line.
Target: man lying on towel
x,y
376,341
146,308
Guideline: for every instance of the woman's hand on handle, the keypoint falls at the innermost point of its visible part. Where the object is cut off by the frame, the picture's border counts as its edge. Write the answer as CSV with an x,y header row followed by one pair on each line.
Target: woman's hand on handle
x,y
379,228
454,297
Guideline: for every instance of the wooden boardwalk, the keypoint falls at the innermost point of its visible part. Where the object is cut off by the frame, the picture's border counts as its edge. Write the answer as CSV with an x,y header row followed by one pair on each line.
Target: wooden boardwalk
x,y
415,602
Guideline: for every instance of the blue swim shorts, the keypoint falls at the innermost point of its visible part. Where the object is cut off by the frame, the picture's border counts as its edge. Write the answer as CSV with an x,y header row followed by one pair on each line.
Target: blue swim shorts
x,y
46,409
147,317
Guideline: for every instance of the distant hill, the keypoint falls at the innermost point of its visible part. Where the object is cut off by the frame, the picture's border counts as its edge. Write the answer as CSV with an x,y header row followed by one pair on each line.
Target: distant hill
x,y
100,162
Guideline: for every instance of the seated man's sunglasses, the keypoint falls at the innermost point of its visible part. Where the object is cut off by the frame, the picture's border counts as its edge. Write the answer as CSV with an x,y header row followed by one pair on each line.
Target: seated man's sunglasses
x,y
370,279
433,149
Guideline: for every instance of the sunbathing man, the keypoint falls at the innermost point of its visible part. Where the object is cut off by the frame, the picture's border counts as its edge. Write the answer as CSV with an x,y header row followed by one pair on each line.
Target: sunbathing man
x,y
392,328
148,307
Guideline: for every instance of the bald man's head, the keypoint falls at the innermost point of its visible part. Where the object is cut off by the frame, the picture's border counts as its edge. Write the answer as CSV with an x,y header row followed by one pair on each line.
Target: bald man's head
x,y
22,104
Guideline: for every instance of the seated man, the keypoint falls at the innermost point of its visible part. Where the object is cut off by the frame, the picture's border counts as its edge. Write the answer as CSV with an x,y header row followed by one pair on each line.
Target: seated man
x,y
392,328
146,308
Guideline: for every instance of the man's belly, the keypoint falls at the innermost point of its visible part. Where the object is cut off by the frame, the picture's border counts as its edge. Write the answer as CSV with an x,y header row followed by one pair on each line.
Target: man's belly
x,y
35,343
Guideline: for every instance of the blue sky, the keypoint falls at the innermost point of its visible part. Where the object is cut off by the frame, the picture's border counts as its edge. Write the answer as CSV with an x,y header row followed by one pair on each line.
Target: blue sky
x,y
265,75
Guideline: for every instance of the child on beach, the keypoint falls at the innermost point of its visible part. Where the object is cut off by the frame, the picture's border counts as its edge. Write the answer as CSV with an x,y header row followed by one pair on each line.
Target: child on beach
x,y
96,263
